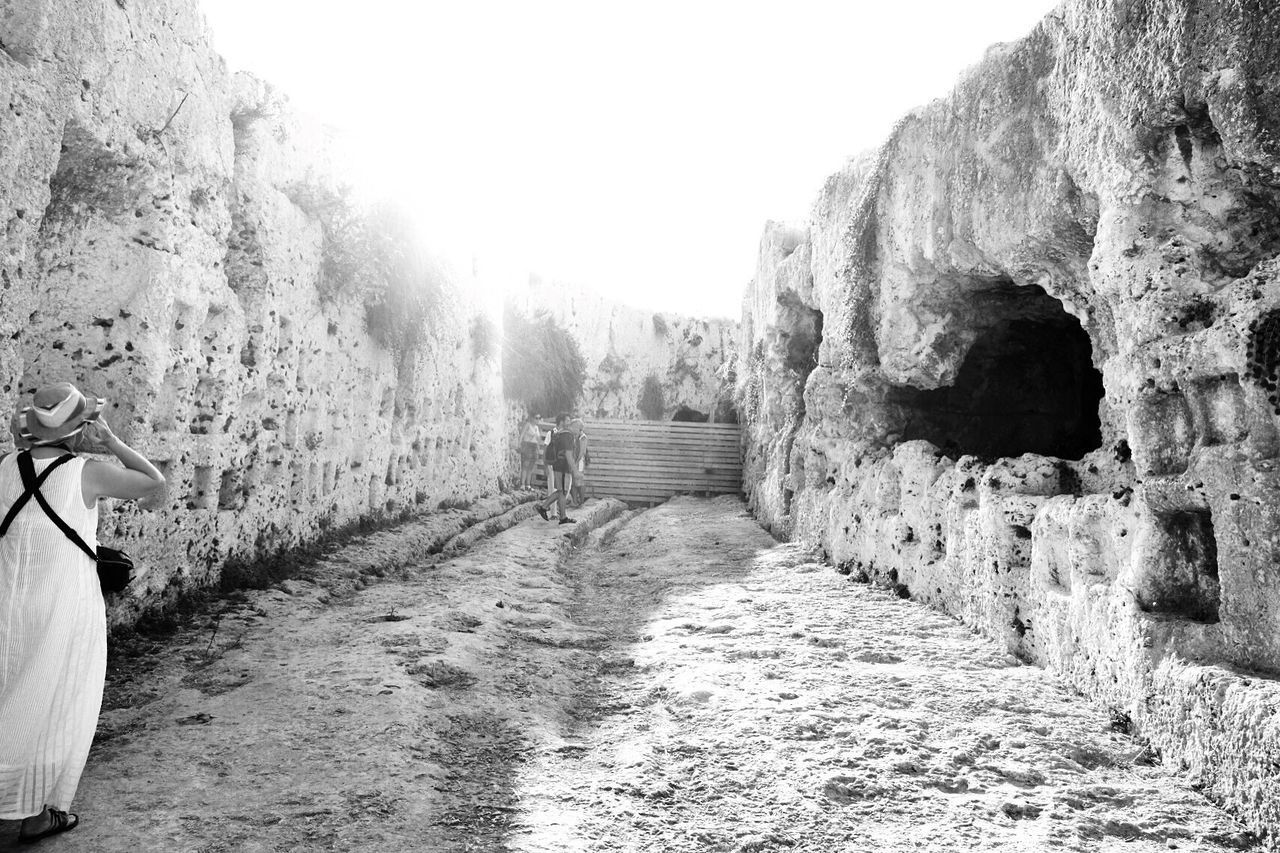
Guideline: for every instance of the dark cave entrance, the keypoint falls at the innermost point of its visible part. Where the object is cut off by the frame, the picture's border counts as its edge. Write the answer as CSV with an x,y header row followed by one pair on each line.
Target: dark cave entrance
x,y
1027,385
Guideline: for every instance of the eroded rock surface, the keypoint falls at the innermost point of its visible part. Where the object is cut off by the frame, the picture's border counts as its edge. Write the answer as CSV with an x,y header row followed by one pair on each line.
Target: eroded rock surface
x,y
1021,364
164,246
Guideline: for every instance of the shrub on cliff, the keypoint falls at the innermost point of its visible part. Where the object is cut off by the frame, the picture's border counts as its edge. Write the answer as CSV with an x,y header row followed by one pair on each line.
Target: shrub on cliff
x,y
542,365
408,284
652,403
375,255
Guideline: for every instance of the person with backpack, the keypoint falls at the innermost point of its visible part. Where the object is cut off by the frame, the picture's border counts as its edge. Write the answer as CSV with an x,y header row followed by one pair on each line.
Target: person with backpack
x,y
53,628
560,455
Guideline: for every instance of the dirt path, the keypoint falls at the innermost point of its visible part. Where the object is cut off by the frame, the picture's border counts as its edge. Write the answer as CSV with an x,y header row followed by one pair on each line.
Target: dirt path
x,y
682,683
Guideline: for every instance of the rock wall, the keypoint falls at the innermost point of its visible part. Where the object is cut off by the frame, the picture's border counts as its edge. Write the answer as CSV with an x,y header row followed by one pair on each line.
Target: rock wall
x,y
164,247
689,358
1021,364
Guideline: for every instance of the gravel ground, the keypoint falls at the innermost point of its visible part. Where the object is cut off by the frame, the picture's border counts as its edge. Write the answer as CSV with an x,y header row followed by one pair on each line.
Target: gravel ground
x,y
679,682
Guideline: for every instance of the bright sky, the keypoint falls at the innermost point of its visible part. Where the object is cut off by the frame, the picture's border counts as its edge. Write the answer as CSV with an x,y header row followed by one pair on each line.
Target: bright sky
x,y
636,149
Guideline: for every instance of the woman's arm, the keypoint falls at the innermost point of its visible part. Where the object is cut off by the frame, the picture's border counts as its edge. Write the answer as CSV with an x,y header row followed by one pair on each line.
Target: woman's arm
x,y
137,479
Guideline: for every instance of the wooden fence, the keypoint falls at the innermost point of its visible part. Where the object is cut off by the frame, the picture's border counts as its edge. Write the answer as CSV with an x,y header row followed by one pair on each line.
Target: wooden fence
x,y
650,461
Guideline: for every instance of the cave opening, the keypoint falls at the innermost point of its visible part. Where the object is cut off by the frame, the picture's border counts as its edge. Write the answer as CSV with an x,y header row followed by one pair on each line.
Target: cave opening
x,y
1027,384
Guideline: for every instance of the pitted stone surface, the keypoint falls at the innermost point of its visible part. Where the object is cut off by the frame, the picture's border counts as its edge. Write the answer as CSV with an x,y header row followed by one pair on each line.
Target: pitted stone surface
x,y
162,247
1107,508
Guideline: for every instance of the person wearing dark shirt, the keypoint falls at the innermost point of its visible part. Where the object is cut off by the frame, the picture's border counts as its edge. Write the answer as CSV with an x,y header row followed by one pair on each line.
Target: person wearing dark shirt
x,y
560,453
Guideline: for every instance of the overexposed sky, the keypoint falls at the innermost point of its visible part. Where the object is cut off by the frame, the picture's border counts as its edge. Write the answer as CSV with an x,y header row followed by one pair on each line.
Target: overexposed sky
x,y
636,149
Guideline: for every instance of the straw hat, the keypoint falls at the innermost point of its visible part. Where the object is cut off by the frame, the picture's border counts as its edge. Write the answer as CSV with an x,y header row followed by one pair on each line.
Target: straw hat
x,y
56,413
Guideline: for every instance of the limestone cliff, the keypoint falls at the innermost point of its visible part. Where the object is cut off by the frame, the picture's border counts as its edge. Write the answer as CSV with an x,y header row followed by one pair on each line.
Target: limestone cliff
x,y
686,359
1022,364
170,243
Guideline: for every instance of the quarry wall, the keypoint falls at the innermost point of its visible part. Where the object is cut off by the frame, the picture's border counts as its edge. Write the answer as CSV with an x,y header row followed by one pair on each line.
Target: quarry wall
x,y
170,243
687,359
1021,364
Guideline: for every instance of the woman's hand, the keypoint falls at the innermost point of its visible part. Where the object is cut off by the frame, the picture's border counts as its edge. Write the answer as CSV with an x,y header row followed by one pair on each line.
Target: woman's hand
x,y
97,434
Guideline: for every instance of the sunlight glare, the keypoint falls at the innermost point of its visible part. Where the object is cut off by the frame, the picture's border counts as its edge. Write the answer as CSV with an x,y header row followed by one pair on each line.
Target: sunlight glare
x,y
637,150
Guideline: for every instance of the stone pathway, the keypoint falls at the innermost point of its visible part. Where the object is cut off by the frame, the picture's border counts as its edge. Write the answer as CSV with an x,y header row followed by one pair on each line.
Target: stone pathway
x,y
751,699
681,683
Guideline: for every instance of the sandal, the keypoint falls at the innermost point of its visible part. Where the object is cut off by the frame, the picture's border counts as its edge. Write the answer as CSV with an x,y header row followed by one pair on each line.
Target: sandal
x,y
59,822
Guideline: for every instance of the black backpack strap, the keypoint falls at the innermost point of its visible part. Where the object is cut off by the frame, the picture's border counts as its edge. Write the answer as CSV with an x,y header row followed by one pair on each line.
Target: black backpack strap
x,y
33,489
28,471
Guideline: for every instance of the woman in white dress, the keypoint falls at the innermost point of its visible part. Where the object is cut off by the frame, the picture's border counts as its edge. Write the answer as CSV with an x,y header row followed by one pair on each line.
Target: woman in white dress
x,y
53,631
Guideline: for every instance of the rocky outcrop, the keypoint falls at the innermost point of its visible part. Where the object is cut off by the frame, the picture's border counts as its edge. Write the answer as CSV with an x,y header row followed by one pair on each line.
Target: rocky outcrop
x,y
1046,316
640,364
170,243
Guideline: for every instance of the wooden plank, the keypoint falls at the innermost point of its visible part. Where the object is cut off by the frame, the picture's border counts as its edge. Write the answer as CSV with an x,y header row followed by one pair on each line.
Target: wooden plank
x,y
716,434
670,482
728,478
668,433
694,460
647,466
662,447
666,481
658,436
666,449
733,447
687,466
686,463
668,486
672,471
674,455
664,477
645,497
663,429
678,458
598,423
639,438
661,453
618,452
678,466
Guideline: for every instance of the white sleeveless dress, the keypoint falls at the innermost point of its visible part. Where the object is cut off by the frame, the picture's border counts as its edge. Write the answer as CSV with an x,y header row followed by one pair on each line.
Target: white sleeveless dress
x,y
53,643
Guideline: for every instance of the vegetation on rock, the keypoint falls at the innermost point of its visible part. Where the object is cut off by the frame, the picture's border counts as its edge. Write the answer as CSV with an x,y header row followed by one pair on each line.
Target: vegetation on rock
x,y
375,255
542,365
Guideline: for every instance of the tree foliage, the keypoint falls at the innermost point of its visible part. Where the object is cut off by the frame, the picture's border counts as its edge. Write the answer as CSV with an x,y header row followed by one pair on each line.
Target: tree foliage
x,y
652,403
542,365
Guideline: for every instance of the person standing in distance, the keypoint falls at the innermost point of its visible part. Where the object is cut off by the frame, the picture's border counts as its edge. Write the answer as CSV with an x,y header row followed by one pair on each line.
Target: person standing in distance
x,y
530,439
582,454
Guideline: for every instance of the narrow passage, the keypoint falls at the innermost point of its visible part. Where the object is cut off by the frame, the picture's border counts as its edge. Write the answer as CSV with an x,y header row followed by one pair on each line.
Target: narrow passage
x,y
676,681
